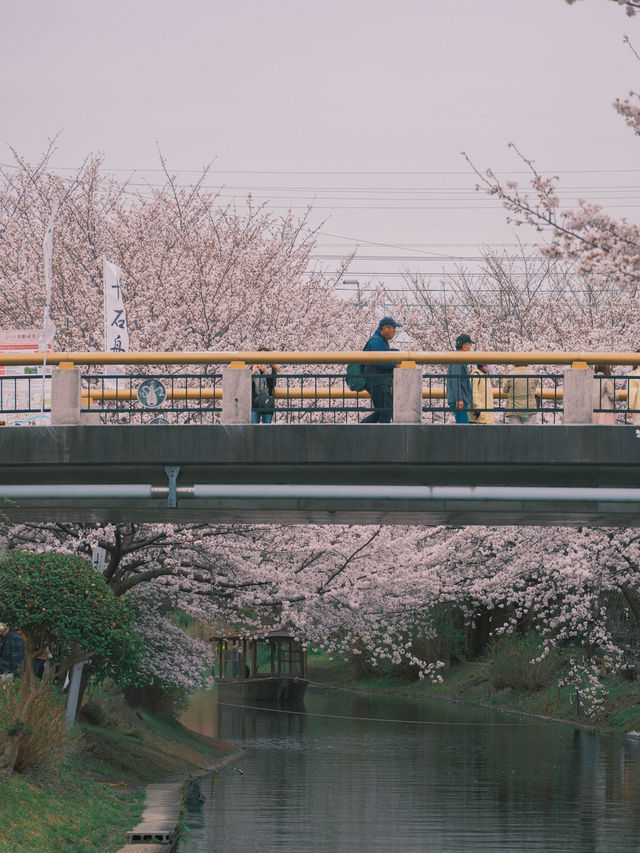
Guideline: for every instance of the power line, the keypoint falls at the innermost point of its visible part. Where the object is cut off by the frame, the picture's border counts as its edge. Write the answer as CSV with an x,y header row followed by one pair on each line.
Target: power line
x,y
466,173
439,258
420,273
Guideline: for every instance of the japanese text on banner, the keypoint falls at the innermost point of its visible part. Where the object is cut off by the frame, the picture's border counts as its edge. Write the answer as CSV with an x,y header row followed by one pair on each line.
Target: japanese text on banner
x,y
116,331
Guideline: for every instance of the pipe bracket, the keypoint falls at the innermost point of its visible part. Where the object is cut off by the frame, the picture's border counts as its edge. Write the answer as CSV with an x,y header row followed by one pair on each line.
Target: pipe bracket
x,y
172,472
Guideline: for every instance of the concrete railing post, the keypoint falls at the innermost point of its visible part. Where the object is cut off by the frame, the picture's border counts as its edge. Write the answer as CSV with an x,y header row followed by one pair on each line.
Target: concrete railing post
x,y
236,394
407,393
577,394
65,395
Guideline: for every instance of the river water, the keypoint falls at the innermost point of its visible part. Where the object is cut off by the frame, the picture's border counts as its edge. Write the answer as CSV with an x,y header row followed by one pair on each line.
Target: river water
x,y
367,774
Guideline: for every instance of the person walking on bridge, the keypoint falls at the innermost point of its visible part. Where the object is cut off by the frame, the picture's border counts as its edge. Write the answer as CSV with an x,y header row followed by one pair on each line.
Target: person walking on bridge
x,y
263,381
458,383
522,389
379,377
482,396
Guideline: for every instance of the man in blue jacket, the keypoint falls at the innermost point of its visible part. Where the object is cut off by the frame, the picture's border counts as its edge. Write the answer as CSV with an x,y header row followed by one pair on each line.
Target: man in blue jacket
x,y
380,376
459,385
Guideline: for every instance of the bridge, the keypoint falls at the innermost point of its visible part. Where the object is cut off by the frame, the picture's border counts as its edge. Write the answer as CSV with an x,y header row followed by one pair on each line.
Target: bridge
x,y
345,473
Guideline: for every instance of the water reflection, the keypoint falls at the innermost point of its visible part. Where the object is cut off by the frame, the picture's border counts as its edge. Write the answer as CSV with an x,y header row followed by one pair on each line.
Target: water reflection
x,y
360,774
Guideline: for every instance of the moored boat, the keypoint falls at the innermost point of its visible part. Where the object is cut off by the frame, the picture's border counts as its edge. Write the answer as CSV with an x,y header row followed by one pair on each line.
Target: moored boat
x,y
268,668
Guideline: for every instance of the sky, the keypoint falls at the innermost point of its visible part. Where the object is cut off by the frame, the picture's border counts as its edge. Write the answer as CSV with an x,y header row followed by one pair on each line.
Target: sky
x,y
359,107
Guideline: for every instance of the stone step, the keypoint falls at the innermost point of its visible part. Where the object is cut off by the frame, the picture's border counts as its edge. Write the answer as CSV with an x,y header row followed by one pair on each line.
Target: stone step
x,y
159,819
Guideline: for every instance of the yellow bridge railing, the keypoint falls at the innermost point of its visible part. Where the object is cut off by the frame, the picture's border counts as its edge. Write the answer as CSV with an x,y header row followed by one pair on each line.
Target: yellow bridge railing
x,y
241,359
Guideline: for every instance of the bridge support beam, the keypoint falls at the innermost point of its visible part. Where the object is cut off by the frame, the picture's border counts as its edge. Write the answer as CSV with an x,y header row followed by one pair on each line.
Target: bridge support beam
x,y
407,394
578,394
236,395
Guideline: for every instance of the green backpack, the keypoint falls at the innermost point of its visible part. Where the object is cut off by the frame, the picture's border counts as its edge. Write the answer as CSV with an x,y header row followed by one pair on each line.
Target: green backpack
x,y
355,377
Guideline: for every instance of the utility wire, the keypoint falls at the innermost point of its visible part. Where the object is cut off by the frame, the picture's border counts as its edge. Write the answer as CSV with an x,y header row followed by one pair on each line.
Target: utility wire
x,y
466,173
500,724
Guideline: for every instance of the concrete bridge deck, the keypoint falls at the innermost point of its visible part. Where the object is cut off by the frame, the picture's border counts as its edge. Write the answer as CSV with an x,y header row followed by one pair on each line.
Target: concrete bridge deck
x,y
387,456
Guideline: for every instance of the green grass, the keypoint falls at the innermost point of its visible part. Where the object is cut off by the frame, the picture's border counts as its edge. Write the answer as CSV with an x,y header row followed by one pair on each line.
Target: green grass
x,y
90,802
69,813
470,683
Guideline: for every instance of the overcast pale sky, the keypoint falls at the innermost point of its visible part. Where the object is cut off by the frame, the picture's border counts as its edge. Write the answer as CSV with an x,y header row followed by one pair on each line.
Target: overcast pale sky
x,y
296,99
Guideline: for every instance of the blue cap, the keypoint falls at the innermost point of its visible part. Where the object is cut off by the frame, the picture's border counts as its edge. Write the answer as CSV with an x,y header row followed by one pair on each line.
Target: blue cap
x,y
389,321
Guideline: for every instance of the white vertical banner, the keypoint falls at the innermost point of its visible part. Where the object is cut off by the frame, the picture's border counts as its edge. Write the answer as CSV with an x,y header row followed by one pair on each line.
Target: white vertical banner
x,y
48,326
116,331
98,558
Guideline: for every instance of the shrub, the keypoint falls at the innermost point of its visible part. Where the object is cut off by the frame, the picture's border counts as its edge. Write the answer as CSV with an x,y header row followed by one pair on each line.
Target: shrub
x,y
45,741
516,661
58,597
168,702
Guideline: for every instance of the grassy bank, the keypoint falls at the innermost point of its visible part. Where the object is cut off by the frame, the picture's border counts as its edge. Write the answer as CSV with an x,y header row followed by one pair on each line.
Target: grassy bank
x,y
472,683
97,795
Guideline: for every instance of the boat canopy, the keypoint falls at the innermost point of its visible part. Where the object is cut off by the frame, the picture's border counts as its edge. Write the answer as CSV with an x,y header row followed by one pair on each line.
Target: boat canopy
x,y
276,654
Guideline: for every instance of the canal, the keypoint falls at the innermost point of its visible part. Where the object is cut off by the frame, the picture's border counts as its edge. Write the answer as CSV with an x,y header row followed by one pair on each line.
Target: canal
x,y
366,774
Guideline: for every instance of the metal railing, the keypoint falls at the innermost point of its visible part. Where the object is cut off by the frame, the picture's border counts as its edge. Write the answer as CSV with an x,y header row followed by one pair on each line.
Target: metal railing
x,y
542,401
611,397
188,398
150,396
323,357
299,398
318,398
25,398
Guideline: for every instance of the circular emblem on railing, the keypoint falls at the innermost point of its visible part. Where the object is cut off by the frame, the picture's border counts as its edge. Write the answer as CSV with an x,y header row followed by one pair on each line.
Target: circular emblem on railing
x,y
159,420
151,393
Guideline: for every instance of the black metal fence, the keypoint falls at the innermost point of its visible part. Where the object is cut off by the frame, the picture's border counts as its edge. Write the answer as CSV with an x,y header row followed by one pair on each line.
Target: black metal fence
x,y
308,398
25,399
616,399
318,398
193,398
525,398
312,398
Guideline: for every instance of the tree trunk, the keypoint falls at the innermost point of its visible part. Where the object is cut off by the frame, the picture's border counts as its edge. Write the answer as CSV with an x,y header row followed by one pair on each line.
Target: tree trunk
x,y
632,597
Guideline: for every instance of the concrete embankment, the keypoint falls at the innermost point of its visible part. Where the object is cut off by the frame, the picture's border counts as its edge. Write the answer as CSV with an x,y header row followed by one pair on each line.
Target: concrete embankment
x,y
159,827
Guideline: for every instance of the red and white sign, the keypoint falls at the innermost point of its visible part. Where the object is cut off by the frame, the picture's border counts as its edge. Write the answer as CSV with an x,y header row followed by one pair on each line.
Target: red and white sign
x,y
24,393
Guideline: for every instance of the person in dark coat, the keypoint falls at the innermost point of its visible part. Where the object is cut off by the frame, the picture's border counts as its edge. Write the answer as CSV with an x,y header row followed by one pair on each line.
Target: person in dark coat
x,y
459,385
379,377
11,651
263,381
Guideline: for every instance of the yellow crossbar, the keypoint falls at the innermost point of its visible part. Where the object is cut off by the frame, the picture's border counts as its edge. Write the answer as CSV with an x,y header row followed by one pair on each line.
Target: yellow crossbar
x,y
320,357
99,395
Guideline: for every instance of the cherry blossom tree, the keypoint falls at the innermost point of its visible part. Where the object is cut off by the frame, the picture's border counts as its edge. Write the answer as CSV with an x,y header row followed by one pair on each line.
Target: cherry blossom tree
x,y
579,292
604,248
198,275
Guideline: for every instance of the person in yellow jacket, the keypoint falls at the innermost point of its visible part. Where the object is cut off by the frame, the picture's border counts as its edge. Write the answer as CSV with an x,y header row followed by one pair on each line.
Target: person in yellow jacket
x,y
482,396
521,387
633,401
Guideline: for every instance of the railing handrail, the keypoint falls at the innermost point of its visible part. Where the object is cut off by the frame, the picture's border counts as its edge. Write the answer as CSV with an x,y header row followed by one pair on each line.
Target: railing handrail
x,y
321,357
